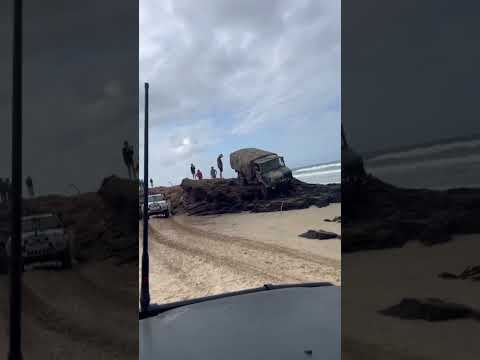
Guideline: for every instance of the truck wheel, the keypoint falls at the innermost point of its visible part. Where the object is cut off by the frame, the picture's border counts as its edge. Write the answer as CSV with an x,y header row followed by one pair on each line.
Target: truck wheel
x,y
265,193
283,190
241,179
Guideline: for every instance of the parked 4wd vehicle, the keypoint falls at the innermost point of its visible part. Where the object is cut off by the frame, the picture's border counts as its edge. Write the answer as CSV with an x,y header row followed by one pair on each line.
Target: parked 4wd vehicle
x,y
158,204
255,166
44,239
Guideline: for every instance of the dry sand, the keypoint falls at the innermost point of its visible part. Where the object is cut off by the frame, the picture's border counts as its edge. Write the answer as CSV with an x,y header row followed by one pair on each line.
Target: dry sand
x,y
409,272
197,256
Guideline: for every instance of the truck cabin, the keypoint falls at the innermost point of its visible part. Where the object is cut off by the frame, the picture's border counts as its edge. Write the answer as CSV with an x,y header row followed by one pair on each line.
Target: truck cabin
x,y
269,163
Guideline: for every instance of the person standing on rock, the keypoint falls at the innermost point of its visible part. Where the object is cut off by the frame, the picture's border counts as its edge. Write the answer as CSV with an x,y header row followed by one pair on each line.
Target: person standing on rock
x,y
220,165
127,153
192,170
29,183
7,188
151,183
130,159
137,167
199,175
3,190
213,173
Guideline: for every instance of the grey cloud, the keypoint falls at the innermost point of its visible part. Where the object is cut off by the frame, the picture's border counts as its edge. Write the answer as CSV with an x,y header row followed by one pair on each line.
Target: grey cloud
x,y
80,90
195,73
256,63
409,72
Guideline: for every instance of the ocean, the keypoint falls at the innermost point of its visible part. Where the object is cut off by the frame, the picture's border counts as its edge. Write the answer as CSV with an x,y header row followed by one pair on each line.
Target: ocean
x,y
329,173
440,166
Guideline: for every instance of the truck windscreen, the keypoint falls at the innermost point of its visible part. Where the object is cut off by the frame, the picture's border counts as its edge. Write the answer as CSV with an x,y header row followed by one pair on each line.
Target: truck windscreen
x,y
271,165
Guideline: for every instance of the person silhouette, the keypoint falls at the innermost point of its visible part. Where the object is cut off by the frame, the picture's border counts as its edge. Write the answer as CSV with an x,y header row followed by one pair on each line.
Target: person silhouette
x,y
213,172
192,170
127,153
29,183
220,165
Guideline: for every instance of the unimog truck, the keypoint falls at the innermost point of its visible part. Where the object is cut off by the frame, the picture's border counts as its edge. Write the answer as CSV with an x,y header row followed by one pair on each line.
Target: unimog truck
x,y
255,166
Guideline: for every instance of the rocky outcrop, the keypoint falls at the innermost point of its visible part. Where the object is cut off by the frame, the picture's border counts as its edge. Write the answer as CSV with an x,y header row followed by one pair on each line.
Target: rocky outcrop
x,y
470,273
319,234
219,196
430,309
376,215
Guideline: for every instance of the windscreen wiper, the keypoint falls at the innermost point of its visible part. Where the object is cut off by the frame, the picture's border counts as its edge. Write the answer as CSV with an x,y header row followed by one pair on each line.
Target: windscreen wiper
x,y
156,309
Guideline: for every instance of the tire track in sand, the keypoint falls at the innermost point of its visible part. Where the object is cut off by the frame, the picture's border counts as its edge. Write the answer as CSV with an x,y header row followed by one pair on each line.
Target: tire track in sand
x,y
187,264
170,277
204,269
289,264
46,317
324,261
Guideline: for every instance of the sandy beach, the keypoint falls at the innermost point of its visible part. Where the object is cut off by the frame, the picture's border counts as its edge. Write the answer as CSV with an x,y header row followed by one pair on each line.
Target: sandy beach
x,y
411,271
81,313
193,256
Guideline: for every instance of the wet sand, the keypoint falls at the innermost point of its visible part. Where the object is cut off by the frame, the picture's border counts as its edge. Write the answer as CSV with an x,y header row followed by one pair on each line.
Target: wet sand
x,y
199,256
411,271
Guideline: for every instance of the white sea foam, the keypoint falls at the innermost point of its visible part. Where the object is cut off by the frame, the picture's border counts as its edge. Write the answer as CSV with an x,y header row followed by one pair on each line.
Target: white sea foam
x,y
317,167
430,150
445,166
319,174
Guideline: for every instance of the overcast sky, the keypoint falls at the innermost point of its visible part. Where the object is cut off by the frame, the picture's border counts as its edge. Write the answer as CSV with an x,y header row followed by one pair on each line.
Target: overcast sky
x,y
410,71
230,74
80,95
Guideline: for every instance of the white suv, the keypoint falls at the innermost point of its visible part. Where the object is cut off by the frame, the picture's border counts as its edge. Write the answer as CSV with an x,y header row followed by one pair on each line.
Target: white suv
x,y
44,238
158,204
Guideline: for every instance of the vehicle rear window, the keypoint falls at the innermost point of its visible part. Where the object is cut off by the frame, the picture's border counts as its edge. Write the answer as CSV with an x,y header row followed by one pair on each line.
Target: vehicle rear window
x,y
41,223
158,197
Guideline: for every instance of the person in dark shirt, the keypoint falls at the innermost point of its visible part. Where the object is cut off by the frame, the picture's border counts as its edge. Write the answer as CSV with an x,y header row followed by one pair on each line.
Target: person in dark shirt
x,y
220,165
192,170
29,183
3,190
7,189
213,173
127,153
